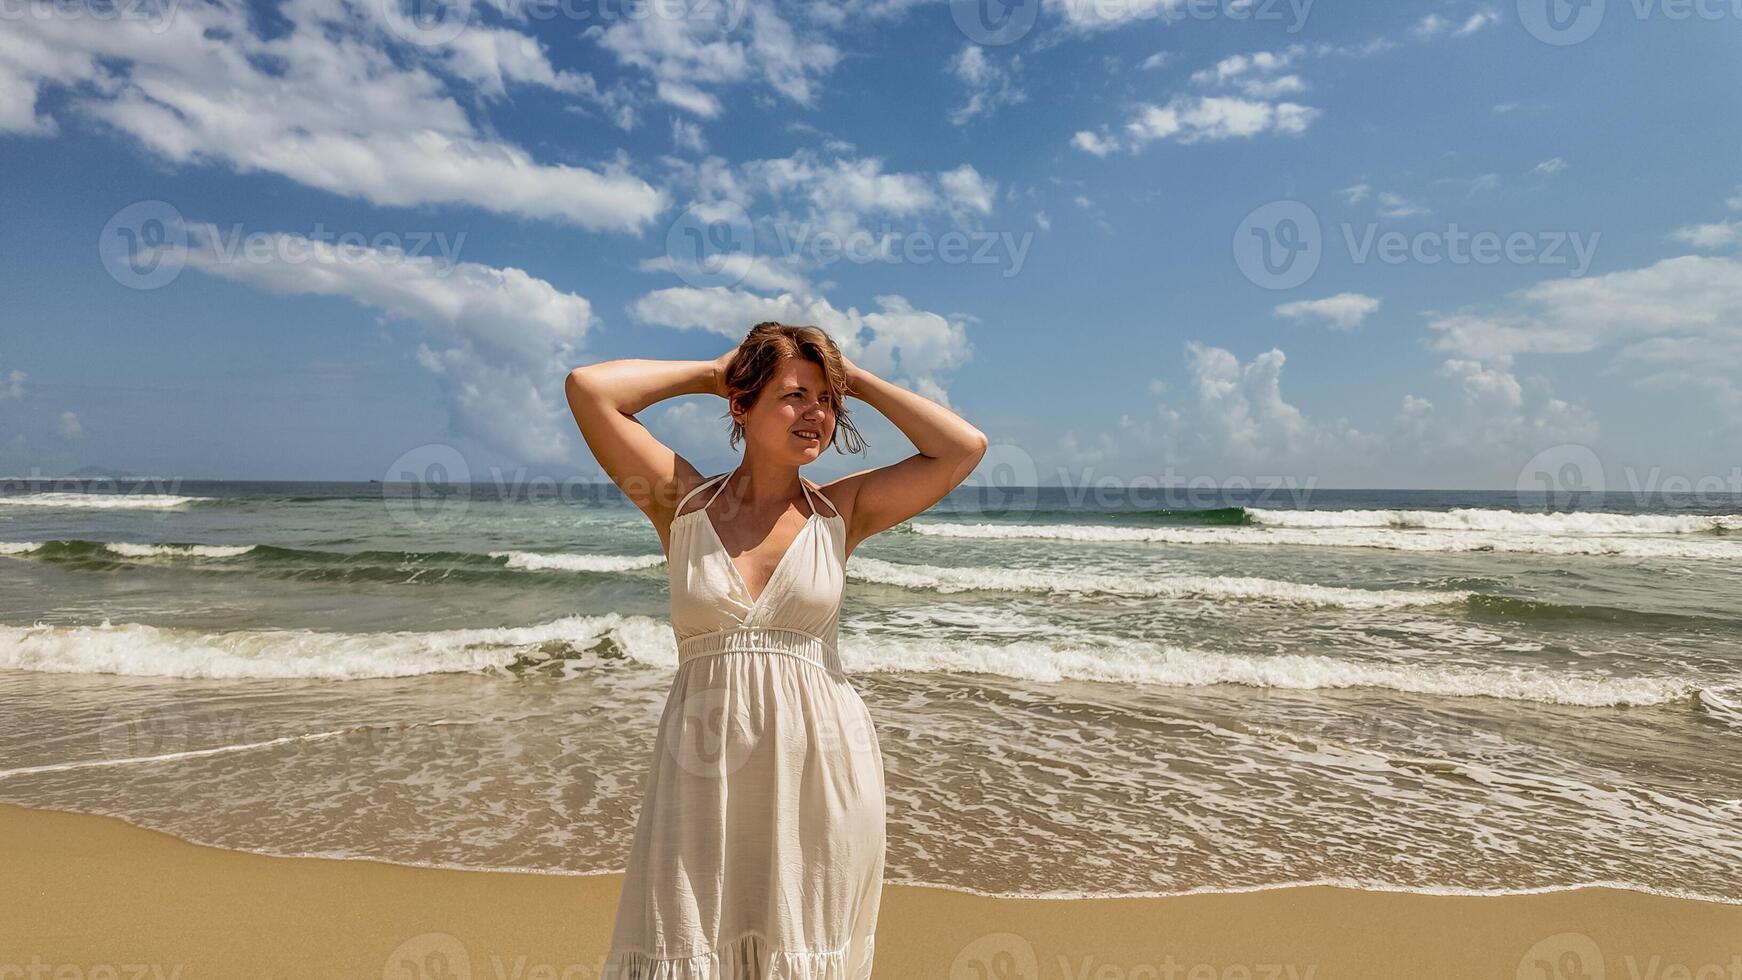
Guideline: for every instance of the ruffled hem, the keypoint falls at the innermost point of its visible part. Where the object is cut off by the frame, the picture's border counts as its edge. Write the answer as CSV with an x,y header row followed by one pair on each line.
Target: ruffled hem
x,y
749,957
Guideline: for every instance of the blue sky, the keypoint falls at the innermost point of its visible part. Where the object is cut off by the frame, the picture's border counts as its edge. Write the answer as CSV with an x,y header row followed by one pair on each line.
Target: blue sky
x,y
1131,239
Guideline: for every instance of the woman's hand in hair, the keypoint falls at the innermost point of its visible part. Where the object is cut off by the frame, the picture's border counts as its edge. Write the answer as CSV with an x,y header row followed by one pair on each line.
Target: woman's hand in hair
x,y
722,364
854,374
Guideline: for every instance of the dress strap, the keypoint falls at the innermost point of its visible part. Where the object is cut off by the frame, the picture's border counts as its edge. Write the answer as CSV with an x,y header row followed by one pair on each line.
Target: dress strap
x,y
812,497
698,489
723,481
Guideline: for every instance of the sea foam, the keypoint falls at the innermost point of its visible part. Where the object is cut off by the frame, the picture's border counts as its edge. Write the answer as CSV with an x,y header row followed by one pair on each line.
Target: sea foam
x,y
1171,666
545,561
1481,519
142,650
139,649
128,550
99,501
947,580
1389,538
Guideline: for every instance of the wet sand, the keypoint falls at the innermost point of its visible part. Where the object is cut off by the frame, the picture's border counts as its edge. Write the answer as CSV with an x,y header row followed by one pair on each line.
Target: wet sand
x,y
87,897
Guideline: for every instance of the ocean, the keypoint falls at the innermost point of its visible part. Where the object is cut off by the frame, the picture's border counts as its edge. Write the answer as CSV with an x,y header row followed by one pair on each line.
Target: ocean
x,y
1076,694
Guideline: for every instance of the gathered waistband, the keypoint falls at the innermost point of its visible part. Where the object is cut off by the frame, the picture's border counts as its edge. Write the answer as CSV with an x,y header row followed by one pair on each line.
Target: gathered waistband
x,y
761,639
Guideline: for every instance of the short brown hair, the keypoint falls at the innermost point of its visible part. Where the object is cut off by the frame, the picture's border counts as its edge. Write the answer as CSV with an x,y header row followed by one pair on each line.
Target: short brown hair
x,y
761,353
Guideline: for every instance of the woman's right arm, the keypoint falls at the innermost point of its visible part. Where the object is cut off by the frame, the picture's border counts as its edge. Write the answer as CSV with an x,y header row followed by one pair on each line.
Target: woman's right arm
x,y
605,397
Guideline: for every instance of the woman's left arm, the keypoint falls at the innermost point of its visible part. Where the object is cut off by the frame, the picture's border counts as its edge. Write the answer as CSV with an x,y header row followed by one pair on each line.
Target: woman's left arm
x,y
949,449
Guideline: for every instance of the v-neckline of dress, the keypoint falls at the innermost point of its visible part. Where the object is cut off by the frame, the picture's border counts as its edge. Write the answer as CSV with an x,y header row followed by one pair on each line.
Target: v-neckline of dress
x,y
738,576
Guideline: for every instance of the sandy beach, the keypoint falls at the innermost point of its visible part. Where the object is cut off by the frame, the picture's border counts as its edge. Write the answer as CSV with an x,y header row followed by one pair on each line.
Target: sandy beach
x,y
90,896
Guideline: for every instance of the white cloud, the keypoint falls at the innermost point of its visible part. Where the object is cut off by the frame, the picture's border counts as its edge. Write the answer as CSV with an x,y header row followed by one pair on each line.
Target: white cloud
x,y
1719,234
1258,75
1390,204
686,135
1257,78
688,56
970,64
1099,145
796,203
990,87
1101,448
965,188
1689,296
1096,15
502,338
690,426
1355,194
689,98
1233,417
1242,404
12,385
1484,182
895,341
787,61
68,427
1495,414
1475,22
1674,324
1430,26
1345,311
1237,66
492,58
324,103
1191,120
845,185
1397,206
1471,185
1433,25
755,271
1273,88
1550,167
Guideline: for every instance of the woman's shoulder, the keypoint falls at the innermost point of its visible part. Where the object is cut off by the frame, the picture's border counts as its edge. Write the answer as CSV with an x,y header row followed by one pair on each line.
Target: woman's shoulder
x,y
691,499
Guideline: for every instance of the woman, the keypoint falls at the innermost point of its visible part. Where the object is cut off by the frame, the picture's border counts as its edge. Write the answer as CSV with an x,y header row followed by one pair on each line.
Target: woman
x,y
758,853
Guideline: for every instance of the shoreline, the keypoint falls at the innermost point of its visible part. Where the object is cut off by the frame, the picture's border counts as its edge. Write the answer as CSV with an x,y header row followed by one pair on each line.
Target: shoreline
x,y
89,895
1053,896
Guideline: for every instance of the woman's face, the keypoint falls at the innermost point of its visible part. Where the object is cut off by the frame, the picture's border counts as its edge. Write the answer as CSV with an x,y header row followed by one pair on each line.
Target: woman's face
x,y
794,416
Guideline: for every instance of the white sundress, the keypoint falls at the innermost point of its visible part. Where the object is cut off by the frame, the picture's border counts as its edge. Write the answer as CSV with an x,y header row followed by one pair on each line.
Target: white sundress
x,y
758,851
